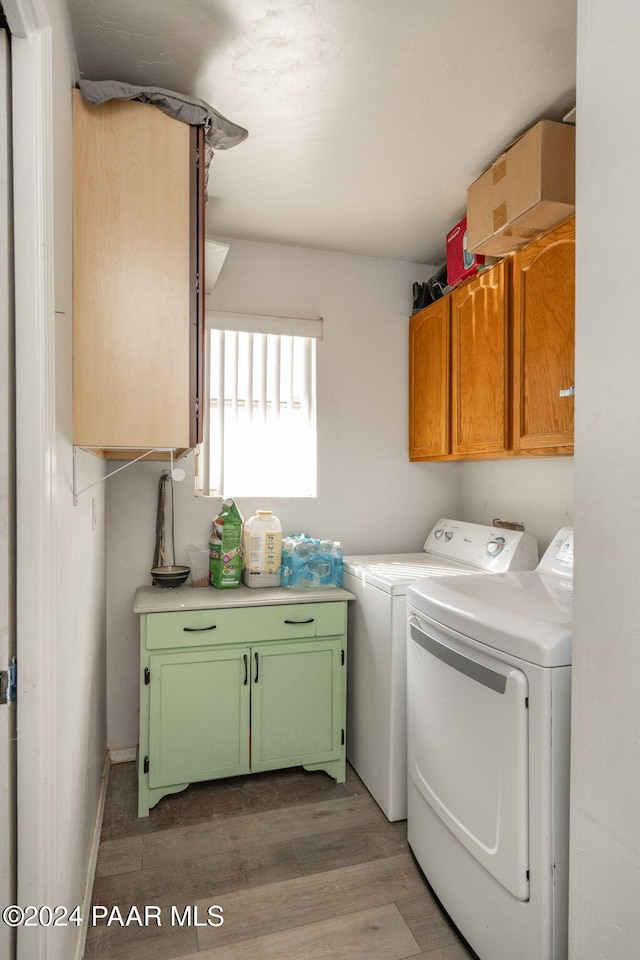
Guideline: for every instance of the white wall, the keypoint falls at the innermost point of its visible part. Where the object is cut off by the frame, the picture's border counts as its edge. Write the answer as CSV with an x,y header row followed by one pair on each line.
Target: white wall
x,y
61,559
369,496
536,491
605,843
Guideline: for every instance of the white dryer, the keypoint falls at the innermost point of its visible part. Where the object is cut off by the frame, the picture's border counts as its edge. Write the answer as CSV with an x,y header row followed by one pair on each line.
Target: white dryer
x,y
376,676
489,674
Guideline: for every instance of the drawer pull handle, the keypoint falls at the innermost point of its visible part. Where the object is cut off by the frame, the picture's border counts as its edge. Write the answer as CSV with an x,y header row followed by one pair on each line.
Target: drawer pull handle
x,y
256,676
246,669
199,629
297,622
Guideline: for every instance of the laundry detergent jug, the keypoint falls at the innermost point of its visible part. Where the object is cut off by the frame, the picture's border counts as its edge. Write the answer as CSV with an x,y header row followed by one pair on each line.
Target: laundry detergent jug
x,y
262,553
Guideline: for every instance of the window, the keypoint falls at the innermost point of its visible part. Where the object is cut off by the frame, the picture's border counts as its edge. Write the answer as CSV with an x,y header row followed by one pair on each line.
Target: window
x,y
260,425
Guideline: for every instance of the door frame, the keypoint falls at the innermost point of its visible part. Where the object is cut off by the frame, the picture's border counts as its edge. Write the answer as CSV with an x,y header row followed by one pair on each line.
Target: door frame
x,y
32,104
7,506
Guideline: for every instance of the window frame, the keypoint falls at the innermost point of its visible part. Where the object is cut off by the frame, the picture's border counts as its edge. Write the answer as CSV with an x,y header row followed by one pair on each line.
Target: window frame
x,y
274,326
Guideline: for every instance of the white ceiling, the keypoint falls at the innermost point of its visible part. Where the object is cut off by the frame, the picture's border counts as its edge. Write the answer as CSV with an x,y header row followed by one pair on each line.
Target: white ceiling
x,y
367,119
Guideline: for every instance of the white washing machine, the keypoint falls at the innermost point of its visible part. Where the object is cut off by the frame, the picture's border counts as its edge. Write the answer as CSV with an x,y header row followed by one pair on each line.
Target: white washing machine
x,y
376,676
489,674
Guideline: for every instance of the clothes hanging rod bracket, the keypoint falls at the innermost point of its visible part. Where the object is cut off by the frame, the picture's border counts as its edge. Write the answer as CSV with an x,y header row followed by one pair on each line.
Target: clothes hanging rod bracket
x,y
76,492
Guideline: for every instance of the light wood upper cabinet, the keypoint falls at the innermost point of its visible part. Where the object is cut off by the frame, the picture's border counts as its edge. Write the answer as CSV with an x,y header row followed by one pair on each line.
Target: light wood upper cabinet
x,y
138,253
429,381
480,365
543,329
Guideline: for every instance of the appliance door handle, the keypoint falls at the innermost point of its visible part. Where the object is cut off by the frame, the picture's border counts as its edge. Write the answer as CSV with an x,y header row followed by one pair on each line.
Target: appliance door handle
x,y
493,679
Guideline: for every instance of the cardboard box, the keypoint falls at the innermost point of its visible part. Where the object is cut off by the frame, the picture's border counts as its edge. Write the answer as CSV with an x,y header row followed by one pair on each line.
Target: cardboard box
x,y
461,264
527,191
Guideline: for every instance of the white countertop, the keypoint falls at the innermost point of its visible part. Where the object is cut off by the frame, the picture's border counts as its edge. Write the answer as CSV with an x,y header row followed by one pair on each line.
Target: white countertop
x,y
154,599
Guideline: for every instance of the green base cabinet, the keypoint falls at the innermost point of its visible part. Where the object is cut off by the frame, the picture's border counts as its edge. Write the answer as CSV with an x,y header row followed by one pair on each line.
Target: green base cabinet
x,y
236,691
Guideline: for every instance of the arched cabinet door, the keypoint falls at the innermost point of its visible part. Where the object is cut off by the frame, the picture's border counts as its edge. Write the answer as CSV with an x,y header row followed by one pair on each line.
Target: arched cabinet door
x,y
480,344
543,332
429,381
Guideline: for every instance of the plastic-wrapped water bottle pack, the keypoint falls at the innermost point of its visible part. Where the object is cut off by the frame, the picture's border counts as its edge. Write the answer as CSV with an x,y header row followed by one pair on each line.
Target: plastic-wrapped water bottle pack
x,y
309,563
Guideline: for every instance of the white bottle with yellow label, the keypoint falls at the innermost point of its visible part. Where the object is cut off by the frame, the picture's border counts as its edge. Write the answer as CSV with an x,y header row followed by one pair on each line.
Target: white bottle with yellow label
x,y
262,550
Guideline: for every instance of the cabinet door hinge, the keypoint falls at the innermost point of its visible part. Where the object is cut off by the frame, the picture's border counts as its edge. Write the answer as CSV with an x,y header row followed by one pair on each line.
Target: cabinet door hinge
x,y
342,737
147,676
145,765
8,682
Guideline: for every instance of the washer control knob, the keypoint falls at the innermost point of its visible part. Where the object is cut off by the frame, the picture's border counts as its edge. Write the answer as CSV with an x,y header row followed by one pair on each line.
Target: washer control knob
x,y
438,533
495,547
448,535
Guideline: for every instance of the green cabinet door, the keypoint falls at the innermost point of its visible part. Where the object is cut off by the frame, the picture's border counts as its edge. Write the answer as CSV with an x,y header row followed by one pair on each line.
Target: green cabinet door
x,y
198,716
296,703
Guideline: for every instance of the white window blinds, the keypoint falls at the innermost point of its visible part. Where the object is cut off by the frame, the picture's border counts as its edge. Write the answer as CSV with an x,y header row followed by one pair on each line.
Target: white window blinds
x,y
260,423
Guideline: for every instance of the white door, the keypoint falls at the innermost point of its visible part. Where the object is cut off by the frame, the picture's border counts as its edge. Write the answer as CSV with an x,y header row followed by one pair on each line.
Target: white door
x,y
468,748
7,514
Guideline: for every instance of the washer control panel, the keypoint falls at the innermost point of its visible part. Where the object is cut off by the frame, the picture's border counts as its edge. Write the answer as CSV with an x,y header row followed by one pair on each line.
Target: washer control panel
x,y
488,548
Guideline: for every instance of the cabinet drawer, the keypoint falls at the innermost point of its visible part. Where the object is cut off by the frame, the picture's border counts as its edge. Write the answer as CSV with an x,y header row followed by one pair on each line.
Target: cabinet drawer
x,y
302,620
196,628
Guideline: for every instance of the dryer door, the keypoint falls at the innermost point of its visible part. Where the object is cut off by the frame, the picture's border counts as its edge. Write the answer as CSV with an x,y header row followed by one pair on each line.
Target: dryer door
x,y
468,747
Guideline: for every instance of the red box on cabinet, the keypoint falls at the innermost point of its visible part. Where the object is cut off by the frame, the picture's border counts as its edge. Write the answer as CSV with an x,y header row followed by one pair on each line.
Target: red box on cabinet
x,y
461,264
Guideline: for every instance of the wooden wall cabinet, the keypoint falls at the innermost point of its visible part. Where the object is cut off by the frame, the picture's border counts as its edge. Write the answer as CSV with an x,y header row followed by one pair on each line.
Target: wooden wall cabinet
x,y
138,270
491,364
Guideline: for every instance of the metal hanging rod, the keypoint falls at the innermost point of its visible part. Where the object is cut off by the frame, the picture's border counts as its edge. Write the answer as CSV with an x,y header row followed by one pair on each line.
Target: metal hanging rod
x,y
76,492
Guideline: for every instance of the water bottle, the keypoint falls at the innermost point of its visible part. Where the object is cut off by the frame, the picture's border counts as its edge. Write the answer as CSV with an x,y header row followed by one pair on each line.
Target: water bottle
x,y
336,564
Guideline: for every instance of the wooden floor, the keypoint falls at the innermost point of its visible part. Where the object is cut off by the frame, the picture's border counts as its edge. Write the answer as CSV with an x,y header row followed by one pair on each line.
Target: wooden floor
x,y
301,866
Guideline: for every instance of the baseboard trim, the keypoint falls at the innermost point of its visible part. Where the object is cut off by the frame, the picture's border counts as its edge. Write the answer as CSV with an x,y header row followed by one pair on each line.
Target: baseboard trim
x,y
123,754
92,861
